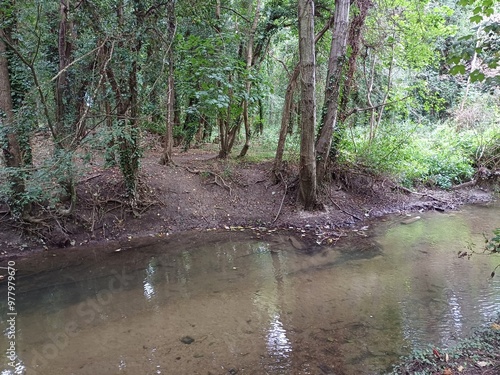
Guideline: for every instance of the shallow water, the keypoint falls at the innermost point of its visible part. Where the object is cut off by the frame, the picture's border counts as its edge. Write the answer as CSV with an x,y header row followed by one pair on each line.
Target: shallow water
x,y
258,306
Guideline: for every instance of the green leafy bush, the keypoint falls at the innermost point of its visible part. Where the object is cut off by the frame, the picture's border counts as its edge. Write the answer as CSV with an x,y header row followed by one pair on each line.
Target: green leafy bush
x,y
413,154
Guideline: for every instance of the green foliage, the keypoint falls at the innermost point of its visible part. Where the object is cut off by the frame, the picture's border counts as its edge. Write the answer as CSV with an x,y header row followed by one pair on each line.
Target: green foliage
x,y
154,127
266,144
414,154
482,40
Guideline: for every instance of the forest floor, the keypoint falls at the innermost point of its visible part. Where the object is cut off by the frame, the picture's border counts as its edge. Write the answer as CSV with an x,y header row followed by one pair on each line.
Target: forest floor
x,y
201,192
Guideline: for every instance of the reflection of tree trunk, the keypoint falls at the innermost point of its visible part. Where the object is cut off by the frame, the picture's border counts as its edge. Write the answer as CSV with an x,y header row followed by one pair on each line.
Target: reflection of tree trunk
x,y
307,172
333,83
11,149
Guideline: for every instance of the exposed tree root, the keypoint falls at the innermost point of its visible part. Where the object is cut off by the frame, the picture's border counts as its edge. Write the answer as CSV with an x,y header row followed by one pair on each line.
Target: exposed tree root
x,y
216,176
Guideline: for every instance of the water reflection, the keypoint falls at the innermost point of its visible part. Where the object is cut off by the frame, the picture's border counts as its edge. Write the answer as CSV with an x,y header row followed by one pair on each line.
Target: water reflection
x,y
278,345
149,290
455,312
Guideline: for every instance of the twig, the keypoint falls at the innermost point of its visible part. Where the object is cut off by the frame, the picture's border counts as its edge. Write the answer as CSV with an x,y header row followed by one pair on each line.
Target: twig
x,y
406,190
195,171
344,211
282,199
90,178
465,184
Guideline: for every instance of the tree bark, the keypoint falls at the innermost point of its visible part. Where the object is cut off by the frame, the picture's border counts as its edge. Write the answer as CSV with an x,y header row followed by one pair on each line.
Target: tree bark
x,y
11,151
170,105
333,84
354,41
285,121
307,173
288,109
250,47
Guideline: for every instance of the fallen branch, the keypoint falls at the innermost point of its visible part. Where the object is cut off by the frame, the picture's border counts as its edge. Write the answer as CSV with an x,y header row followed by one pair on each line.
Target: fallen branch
x,y
90,178
344,211
465,184
282,199
406,190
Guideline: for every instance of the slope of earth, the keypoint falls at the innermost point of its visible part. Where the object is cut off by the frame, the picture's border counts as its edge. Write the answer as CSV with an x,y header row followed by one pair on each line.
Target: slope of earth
x,y
201,192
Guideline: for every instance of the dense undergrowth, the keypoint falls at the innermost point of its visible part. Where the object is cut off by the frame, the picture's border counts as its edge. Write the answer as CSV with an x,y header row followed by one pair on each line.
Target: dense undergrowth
x,y
440,154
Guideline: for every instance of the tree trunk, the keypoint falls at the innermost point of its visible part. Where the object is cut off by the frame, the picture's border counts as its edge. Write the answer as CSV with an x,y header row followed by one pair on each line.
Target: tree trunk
x,y
307,173
354,41
333,83
249,65
285,121
288,109
169,133
11,149
63,97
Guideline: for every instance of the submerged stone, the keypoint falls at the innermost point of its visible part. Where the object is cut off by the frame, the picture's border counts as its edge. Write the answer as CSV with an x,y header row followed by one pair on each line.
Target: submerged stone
x,y
187,340
410,220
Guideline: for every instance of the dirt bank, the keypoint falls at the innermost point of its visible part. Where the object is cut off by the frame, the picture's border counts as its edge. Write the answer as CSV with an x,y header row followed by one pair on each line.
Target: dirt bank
x,y
201,192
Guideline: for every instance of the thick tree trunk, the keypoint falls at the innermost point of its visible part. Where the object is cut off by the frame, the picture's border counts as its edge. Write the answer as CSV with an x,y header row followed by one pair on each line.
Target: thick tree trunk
x,y
288,107
11,149
333,83
354,42
307,173
63,93
170,107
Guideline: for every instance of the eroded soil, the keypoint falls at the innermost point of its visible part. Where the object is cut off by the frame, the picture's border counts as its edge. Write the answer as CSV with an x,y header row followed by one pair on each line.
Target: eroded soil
x,y
201,192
